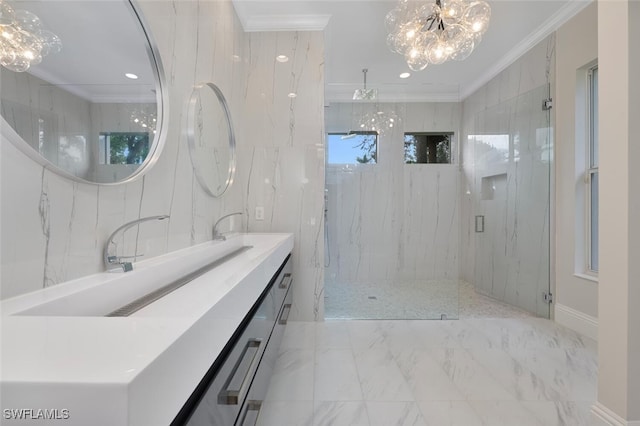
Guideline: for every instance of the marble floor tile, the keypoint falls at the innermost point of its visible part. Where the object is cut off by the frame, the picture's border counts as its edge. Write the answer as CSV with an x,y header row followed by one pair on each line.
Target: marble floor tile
x,y
332,334
336,376
513,375
473,380
395,414
339,413
285,413
466,335
299,335
292,378
417,334
380,377
449,413
426,377
559,413
571,373
520,371
365,335
505,413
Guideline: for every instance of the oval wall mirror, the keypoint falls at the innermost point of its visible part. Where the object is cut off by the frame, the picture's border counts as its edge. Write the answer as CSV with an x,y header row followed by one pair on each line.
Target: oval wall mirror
x,y
82,88
211,139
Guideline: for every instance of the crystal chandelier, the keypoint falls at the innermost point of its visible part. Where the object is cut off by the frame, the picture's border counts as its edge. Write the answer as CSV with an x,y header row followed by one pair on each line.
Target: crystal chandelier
x,y
146,120
432,33
365,94
23,40
378,121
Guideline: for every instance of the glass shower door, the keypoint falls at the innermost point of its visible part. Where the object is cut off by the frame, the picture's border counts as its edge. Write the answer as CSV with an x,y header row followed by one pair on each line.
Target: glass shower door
x,y
513,158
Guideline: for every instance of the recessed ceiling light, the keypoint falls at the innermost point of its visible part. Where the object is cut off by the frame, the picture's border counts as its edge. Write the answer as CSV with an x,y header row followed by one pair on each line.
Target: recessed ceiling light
x,y
292,95
405,75
282,58
131,76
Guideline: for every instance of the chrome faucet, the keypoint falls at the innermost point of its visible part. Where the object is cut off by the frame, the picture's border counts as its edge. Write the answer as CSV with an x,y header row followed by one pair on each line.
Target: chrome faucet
x,y
115,263
216,234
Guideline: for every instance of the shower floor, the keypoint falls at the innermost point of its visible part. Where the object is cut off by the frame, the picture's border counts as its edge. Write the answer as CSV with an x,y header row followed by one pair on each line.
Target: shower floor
x,y
412,300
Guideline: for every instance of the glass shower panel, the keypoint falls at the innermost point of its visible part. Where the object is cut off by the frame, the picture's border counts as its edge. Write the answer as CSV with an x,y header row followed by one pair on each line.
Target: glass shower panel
x,y
391,233
513,158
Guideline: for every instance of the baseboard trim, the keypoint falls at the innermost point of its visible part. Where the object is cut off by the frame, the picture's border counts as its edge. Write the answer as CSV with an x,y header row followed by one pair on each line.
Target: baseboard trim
x,y
603,416
577,321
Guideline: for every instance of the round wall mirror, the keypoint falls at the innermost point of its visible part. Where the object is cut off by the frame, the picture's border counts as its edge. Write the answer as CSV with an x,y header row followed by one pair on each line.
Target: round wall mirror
x,y
211,139
81,88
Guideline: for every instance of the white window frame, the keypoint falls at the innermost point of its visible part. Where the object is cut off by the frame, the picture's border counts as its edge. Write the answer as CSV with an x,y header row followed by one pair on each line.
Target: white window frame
x,y
590,168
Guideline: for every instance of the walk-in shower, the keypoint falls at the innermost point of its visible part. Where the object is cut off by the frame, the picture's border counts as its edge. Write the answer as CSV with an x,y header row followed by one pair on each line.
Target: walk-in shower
x,y
396,227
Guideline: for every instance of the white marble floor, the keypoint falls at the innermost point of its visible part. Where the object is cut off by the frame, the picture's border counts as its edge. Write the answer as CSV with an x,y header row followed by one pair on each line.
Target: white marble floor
x,y
476,371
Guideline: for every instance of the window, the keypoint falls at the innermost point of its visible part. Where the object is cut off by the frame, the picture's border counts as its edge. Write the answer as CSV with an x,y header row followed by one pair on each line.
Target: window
x,y
420,148
352,148
591,177
123,148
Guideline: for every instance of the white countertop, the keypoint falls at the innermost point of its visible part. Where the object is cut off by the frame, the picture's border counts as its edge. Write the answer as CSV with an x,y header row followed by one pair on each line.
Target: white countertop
x,y
136,370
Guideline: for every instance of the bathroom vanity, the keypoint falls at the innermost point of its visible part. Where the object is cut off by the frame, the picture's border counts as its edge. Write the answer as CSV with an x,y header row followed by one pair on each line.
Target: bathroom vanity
x,y
203,351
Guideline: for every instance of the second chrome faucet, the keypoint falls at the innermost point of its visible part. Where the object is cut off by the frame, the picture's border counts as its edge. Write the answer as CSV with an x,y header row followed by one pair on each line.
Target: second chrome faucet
x,y
217,235
114,263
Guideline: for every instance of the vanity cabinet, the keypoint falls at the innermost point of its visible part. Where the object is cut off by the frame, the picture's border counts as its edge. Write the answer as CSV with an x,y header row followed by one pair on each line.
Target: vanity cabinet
x,y
232,391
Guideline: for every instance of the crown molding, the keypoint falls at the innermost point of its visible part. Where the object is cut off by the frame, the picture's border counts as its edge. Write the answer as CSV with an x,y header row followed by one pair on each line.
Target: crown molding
x,y
286,23
393,93
567,12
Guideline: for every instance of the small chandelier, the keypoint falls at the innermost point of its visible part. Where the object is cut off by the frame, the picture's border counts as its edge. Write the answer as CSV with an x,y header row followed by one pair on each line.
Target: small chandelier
x,y
365,94
23,41
432,33
378,121
146,120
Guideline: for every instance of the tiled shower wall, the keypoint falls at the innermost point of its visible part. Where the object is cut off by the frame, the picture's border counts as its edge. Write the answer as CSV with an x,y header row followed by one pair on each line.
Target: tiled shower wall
x,y
390,221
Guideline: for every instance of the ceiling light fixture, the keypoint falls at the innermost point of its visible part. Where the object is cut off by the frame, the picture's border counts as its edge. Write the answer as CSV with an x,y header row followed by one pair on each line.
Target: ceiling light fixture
x,y
378,121
23,40
365,94
282,58
131,75
292,95
405,75
435,32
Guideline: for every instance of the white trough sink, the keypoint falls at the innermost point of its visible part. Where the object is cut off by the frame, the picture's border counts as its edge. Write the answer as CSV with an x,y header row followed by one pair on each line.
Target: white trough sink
x,y
59,350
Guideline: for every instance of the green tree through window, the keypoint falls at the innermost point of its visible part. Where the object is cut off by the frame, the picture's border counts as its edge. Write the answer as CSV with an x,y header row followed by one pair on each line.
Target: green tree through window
x,y
127,148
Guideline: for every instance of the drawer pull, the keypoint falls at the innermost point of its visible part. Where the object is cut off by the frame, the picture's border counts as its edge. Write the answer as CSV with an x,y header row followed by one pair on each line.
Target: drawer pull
x,y
286,281
239,380
251,413
283,319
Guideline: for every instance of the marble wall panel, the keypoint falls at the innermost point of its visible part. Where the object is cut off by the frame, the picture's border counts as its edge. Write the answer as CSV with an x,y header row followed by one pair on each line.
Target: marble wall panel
x,y
393,222
282,156
54,230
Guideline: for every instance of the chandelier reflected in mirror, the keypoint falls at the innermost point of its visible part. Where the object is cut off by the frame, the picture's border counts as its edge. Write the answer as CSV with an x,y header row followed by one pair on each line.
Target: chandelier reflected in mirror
x,y
435,31
378,121
23,39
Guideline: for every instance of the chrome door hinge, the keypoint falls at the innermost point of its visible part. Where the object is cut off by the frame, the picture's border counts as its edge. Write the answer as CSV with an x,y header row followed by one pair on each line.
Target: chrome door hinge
x,y
547,297
547,104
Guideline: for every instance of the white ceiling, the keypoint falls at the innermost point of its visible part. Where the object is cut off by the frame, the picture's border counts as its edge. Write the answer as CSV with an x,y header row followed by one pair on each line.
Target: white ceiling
x,y
101,41
355,38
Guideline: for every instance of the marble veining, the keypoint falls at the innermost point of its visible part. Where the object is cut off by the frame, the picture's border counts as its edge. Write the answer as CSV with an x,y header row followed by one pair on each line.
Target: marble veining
x,y
54,230
391,226
480,371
